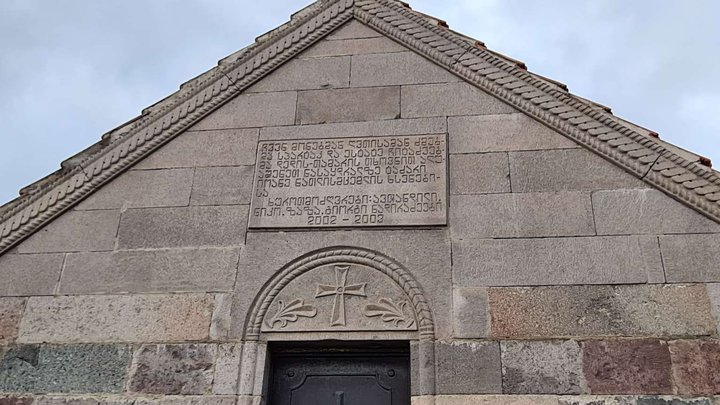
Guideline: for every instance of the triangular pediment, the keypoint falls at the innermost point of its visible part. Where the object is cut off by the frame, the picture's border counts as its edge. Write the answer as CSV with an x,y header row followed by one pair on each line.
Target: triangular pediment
x,y
231,91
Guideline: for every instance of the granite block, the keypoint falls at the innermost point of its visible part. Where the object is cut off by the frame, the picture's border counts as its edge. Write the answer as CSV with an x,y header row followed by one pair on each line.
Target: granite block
x,y
672,401
66,369
392,69
352,30
227,369
116,318
11,310
15,400
416,126
355,46
557,261
343,105
586,311
521,215
425,254
471,318
627,366
646,211
252,111
486,400
143,271
567,170
143,188
16,269
75,231
454,376
222,185
542,367
448,100
691,258
503,132
696,366
481,173
713,291
598,400
173,369
183,227
306,74
231,147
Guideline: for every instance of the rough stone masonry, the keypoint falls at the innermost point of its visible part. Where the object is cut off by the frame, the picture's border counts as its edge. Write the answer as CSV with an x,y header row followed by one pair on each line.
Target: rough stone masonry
x,y
354,176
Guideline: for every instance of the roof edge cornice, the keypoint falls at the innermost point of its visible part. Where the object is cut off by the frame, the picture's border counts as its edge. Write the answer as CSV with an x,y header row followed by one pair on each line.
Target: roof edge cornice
x,y
507,80
169,118
553,106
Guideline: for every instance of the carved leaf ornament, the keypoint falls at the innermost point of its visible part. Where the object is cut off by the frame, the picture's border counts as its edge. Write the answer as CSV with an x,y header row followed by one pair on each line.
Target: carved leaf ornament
x,y
291,313
389,311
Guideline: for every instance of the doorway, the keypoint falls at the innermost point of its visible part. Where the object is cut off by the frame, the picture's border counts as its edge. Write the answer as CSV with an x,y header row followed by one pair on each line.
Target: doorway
x,y
339,373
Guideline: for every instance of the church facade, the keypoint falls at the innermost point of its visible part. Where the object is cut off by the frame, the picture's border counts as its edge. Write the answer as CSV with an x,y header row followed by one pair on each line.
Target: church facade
x,y
365,207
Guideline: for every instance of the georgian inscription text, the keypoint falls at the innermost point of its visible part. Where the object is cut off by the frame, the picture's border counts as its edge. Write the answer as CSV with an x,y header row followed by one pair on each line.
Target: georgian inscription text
x,y
350,182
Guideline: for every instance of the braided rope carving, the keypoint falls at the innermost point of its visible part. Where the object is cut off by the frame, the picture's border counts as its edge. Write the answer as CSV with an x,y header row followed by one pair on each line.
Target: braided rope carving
x,y
342,255
165,123
599,131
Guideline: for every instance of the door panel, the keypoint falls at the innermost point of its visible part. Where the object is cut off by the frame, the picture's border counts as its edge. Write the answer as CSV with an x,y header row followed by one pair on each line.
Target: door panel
x,y
322,378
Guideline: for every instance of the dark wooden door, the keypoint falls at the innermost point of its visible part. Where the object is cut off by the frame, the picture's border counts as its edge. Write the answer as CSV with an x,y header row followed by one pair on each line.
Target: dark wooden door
x,y
340,378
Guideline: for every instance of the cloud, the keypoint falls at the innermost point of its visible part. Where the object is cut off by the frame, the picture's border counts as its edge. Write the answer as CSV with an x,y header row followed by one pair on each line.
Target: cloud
x,y
70,71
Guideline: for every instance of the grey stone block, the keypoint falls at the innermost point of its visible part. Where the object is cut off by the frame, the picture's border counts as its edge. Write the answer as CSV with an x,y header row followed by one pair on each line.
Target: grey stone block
x,y
306,74
343,105
425,254
65,369
567,169
222,185
668,400
479,173
542,367
143,188
471,317
227,369
433,100
492,400
646,211
11,310
141,271
468,367
221,317
361,46
352,30
595,260
391,69
502,132
29,274
75,231
691,258
713,291
252,111
587,311
116,318
173,369
233,147
183,227
521,215
417,126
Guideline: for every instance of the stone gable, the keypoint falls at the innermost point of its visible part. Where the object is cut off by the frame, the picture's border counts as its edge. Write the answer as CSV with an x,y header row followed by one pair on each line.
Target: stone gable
x,y
555,266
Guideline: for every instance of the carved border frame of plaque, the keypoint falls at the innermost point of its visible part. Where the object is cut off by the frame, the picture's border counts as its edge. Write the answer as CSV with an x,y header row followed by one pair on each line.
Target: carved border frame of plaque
x,y
252,368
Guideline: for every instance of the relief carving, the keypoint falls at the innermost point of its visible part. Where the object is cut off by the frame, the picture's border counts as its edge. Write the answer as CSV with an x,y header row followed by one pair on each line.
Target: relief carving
x,y
340,290
291,313
390,312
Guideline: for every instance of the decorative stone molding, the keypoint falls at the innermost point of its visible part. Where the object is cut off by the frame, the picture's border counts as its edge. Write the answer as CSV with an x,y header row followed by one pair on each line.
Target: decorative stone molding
x,y
550,104
360,299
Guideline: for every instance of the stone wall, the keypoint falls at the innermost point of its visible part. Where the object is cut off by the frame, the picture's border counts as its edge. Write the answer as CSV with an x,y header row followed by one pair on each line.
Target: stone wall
x,y
561,279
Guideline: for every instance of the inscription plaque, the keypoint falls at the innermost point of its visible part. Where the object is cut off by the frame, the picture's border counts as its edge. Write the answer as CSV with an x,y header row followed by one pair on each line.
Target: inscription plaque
x,y
350,182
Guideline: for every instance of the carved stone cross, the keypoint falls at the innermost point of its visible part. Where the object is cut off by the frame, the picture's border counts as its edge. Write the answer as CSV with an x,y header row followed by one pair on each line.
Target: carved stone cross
x,y
340,290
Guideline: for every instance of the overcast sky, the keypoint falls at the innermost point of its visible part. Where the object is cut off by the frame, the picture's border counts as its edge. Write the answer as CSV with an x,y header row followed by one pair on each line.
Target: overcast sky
x,y
71,70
